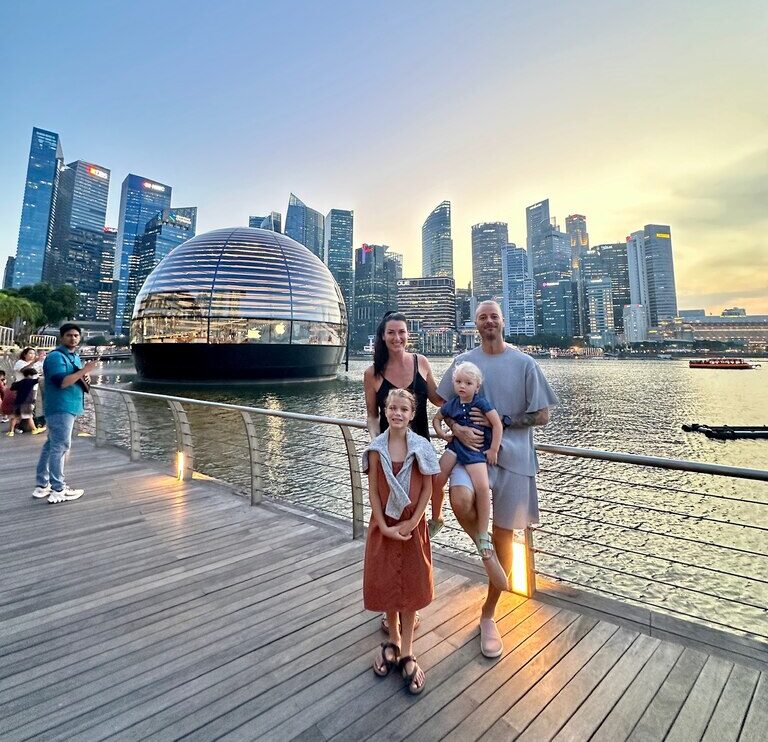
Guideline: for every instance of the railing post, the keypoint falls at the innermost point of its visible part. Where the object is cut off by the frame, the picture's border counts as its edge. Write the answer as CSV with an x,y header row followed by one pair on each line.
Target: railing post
x,y
358,518
133,428
257,478
523,577
185,456
99,422
529,560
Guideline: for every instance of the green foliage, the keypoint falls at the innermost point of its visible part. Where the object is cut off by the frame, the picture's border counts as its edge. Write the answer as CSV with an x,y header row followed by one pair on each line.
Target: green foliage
x,y
56,303
14,309
98,340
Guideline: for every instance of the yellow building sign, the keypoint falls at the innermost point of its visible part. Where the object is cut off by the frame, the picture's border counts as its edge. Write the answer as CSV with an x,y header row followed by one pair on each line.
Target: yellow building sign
x,y
663,235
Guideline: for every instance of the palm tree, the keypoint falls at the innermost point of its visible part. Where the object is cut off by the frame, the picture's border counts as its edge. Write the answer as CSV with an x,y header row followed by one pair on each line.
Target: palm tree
x,y
15,310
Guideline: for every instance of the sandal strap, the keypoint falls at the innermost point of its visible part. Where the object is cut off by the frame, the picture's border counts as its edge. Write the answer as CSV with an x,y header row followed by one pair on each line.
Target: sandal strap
x,y
483,541
390,645
409,676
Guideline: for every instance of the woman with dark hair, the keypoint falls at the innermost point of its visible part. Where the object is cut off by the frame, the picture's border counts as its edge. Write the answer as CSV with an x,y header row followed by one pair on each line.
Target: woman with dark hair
x,y
395,368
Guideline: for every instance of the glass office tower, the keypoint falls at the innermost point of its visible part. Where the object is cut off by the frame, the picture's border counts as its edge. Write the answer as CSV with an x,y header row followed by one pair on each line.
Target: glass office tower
x,y
273,221
162,234
337,254
39,207
76,249
436,242
660,272
305,225
105,298
519,302
376,275
141,199
488,241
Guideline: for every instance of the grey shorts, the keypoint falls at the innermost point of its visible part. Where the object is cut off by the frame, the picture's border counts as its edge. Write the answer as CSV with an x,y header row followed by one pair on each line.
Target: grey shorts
x,y
514,497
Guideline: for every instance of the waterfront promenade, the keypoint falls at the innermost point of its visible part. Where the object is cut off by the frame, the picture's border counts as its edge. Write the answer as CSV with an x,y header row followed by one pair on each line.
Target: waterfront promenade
x,y
159,609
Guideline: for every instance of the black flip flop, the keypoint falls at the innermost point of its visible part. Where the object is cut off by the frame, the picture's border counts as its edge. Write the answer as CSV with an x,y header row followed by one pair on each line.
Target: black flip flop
x,y
382,672
409,676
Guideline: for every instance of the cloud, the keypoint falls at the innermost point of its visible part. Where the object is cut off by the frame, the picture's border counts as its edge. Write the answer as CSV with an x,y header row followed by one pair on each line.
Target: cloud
x,y
733,197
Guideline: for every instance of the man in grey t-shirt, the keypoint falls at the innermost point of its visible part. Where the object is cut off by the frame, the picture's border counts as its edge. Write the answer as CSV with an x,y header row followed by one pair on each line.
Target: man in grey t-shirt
x,y
514,384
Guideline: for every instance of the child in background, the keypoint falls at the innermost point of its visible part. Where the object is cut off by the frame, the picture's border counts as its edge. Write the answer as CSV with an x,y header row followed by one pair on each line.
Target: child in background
x,y
26,393
397,576
467,379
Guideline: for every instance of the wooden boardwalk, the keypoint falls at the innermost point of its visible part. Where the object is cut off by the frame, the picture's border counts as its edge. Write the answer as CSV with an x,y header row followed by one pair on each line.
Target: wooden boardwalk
x,y
154,610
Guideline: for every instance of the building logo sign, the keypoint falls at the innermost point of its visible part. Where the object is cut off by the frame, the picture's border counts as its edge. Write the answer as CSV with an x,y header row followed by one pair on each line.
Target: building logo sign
x,y
153,186
175,218
98,173
662,235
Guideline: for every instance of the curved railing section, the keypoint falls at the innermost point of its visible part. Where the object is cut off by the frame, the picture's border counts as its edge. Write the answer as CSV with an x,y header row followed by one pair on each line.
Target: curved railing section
x,y
655,541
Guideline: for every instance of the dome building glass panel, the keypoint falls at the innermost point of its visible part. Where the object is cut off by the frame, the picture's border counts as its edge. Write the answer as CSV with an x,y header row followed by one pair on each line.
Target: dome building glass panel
x,y
239,303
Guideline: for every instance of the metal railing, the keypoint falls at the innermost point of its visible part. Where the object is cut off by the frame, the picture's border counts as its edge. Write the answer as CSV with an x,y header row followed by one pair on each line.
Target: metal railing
x,y
613,524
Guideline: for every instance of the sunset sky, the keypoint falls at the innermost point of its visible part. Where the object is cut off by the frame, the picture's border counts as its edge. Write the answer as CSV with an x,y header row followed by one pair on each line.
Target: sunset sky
x,y
627,112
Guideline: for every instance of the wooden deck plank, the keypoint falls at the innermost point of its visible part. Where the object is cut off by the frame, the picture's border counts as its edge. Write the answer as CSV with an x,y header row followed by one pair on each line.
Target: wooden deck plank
x,y
732,706
551,703
588,717
624,715
691,722
756,721
451,666
153,609
663,709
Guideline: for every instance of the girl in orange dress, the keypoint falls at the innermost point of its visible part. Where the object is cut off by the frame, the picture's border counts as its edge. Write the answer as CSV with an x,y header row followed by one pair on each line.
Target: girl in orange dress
x,y
397,577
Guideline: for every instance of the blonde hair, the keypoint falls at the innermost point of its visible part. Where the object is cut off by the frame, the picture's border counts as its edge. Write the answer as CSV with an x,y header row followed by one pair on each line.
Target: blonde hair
x,y
401,394
469,369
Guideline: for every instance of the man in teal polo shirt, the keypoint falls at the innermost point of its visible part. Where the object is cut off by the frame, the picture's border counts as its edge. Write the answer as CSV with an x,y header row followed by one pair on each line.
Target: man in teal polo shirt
x,y
66,380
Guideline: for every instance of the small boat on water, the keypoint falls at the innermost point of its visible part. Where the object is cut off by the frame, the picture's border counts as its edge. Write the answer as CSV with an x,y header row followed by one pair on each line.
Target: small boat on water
x,y
728,432
733,363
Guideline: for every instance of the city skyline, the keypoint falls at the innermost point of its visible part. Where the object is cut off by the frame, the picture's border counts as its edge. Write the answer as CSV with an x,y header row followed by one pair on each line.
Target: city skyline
x,y
398,137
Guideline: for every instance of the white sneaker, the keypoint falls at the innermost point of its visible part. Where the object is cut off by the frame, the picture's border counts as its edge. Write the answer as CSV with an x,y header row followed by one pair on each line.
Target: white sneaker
x,y
41,492
66,494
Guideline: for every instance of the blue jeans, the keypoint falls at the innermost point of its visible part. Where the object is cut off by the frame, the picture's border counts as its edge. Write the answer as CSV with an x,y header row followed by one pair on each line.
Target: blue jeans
x,y
50,467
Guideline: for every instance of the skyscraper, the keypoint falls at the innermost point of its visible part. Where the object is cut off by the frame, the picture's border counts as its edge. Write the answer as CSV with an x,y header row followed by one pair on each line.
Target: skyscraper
x,y
8,275
141,199
576,229
105,298
551,264
162,234
430,306
536,219
75,252
436,242
518,303
660,271
305,225
600,302
376,275
638,279
337,251
635,323
39,207
488,241
615,266
272,221
557,308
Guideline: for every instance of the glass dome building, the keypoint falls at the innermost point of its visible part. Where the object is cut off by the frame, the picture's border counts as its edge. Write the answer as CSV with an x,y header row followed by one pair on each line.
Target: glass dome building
x,y
239,304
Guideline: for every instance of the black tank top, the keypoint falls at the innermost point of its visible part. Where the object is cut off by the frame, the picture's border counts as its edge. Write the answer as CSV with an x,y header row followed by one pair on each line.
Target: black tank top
x,y
417,387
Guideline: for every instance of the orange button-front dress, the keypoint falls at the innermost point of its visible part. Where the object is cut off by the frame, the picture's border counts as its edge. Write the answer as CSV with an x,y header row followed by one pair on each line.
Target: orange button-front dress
x,y
397,575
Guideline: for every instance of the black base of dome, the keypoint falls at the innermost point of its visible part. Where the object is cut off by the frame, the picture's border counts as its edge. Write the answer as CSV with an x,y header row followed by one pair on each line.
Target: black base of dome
x,y
201,362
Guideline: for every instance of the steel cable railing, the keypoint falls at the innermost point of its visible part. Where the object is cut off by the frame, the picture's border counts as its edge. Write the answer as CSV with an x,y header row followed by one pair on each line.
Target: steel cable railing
x,y
656,542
